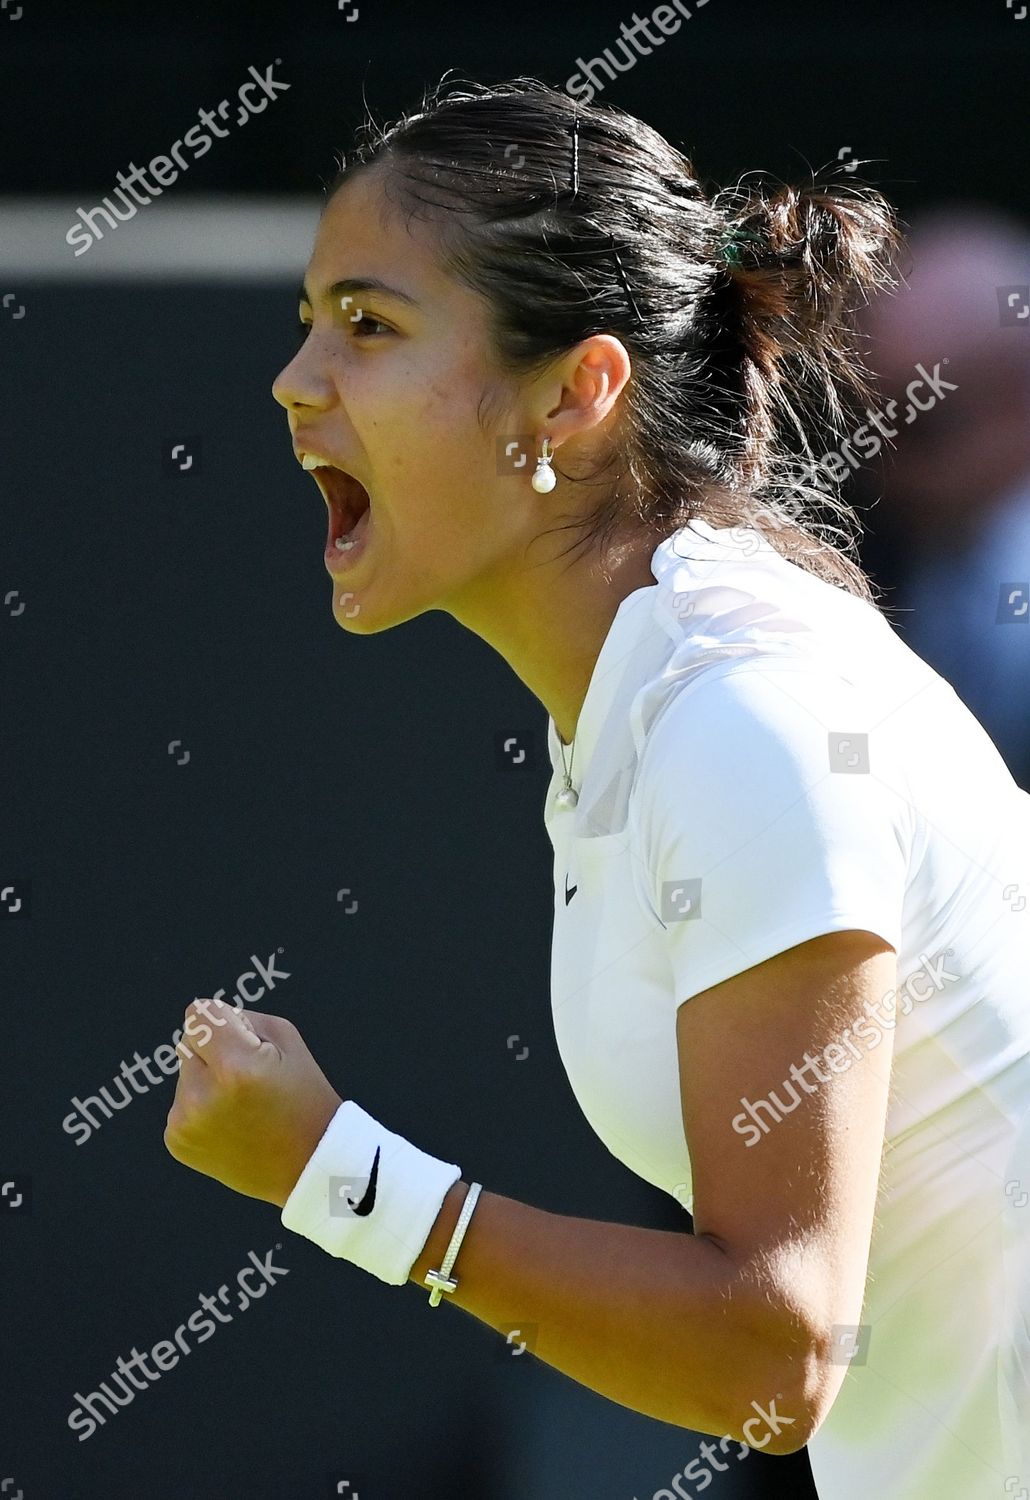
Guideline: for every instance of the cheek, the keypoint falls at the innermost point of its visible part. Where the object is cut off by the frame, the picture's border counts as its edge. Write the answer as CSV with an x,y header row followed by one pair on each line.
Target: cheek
x,y
433,458
447,397
436,437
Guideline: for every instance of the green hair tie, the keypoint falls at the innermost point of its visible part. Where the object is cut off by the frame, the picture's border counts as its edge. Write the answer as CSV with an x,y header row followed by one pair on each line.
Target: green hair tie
x,y
730,248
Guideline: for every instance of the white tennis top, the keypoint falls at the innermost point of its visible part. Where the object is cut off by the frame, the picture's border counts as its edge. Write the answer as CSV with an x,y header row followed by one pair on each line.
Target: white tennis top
x,y
760,759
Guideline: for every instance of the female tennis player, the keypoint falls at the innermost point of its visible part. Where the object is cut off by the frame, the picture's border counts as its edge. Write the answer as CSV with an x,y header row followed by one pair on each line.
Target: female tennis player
x,y
791,941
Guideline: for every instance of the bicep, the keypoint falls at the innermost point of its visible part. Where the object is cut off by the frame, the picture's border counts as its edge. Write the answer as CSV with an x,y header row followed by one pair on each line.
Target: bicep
x,y
784,1112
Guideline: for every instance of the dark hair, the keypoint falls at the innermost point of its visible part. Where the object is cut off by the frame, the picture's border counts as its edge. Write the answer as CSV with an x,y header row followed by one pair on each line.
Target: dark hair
x,y
572,219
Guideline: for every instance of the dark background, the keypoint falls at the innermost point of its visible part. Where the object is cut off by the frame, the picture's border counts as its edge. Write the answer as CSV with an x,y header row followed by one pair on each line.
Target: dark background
x,y
195,608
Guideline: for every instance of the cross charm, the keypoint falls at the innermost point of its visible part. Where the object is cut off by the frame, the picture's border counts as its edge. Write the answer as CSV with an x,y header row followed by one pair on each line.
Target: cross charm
x,y
440,1284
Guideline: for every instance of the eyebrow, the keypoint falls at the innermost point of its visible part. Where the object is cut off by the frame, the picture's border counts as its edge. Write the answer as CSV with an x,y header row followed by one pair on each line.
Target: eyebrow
x,y
358,284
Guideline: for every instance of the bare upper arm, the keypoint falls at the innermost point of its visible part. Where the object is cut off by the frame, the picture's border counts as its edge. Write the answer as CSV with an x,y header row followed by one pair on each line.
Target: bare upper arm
x,y
792,1205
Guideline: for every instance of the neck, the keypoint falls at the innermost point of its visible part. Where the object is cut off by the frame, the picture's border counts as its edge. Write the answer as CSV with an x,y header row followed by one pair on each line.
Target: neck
x,y
549,619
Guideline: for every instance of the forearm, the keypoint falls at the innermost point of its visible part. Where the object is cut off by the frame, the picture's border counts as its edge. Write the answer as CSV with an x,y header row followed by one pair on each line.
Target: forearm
x,y
659,1321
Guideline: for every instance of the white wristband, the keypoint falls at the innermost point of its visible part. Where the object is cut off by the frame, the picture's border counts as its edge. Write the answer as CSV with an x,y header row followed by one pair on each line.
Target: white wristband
x,y
368,1195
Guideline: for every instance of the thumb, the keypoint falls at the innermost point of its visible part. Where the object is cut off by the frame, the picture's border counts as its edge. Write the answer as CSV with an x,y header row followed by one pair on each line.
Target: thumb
x,y
275,1033
251,1030
233,1029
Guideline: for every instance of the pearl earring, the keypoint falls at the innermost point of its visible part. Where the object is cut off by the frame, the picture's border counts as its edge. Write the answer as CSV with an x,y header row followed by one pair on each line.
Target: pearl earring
x,y
544,480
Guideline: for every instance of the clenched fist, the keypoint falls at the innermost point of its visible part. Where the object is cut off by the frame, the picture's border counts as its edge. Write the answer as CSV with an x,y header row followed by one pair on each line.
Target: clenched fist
x,y
251,1104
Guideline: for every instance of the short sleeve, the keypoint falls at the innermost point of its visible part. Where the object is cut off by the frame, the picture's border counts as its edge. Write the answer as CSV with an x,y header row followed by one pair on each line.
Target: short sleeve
x,y
769,810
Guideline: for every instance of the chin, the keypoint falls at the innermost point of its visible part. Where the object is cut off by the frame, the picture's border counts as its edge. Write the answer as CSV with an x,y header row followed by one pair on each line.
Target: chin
x,y
366,619
351,616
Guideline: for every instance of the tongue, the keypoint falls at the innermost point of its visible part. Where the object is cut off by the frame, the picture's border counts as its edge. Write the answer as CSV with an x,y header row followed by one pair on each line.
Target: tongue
x,y
349,497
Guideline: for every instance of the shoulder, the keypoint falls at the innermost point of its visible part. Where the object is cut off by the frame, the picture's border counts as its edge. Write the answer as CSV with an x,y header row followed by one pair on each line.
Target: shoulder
x,y
762,797
765,721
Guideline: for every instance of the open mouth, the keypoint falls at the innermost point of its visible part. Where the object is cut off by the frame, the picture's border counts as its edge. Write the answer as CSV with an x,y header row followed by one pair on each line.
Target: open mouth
x,y
347,499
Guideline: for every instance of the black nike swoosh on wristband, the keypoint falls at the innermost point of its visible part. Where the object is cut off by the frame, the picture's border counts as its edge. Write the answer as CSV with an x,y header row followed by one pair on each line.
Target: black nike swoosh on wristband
x,y
368,1201
569,894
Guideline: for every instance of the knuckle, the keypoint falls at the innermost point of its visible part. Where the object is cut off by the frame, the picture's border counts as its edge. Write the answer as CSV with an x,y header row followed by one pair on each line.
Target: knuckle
x,y
234,1080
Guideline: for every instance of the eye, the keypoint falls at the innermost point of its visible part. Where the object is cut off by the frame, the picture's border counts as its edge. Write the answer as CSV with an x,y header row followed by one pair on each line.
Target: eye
x,y
351,324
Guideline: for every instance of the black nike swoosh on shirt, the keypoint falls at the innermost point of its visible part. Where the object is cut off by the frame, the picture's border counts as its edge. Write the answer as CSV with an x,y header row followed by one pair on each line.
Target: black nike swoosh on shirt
x,y
368,1201
569,894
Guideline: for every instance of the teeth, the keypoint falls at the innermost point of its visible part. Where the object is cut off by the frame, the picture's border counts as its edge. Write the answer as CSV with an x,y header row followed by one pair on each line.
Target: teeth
x,y
311,461
344,544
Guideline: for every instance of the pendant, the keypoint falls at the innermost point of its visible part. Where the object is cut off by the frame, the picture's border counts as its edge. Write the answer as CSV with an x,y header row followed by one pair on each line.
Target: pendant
x,y
567,797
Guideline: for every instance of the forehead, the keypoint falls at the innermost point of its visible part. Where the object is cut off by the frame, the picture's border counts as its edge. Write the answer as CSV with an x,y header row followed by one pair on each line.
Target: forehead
x,y
362,233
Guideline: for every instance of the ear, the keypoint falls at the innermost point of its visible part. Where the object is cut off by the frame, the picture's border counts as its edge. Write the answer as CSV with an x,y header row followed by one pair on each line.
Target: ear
x,y
581,391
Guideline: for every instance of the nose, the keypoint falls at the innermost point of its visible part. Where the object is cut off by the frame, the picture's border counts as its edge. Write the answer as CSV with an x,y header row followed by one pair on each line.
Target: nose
x,y
293,386
299,384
